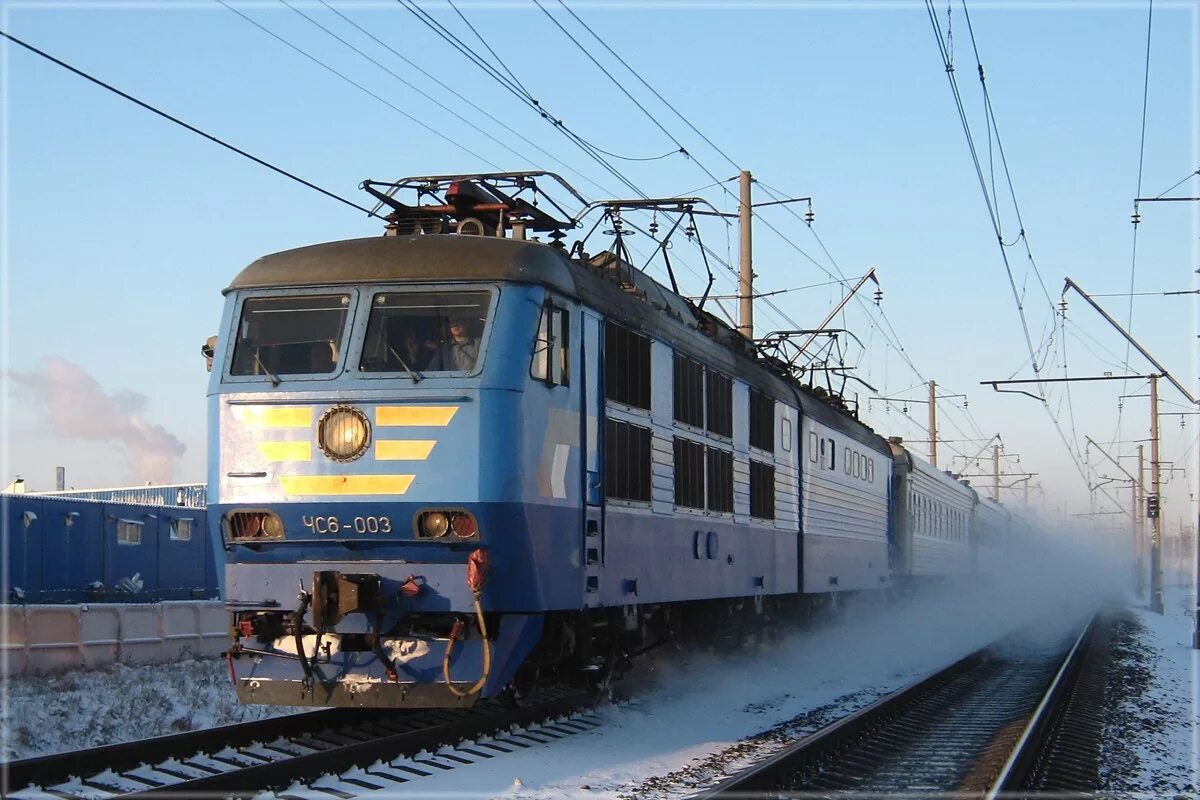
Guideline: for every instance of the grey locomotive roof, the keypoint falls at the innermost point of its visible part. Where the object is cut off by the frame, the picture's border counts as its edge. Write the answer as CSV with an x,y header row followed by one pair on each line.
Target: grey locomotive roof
x,y
382,259
450,258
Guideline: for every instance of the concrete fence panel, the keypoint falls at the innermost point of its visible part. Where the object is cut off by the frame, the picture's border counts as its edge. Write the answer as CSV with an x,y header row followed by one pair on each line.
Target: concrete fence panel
x,y
39,640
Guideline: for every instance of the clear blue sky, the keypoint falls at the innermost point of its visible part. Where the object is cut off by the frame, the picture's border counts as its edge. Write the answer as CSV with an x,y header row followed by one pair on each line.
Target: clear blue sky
x,y
121,229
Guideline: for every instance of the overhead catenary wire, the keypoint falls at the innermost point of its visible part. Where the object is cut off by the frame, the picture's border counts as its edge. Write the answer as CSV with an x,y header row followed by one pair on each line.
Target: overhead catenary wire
x,y
993,214
454,92
516,81
403,80
716,181
649,87
1141,163
774,308
353,83
681,148
361,88
1138,193
517,91
187,126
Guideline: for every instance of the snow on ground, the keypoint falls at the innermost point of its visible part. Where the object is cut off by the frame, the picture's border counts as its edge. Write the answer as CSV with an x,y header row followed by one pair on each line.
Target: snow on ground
x,y
1151,732
702,716
691,718
118,704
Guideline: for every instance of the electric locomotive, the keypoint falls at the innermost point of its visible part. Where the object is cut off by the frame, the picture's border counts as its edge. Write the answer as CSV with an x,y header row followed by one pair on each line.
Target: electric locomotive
x,y
453,462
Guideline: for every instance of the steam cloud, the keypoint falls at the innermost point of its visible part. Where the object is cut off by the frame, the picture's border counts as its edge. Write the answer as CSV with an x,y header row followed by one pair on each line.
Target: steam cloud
x,y
78,408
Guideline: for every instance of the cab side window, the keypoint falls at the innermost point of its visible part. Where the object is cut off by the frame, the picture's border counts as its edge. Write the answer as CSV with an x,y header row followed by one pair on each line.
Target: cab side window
x,y
552,347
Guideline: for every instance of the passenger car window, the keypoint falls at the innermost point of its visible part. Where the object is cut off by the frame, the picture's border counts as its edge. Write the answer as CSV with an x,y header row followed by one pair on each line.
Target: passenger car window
x,y
423,332
293,335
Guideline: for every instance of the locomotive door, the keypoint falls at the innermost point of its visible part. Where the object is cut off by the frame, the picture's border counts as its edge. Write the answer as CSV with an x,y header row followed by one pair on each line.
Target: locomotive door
x,y
592,422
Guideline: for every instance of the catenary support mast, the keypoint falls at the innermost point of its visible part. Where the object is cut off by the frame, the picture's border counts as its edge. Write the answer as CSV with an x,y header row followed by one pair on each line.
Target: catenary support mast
x,y
933,423
1156,597
746,265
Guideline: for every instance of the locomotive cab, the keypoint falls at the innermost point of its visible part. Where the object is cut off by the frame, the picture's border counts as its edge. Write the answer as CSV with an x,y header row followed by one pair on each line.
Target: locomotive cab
x,y
395,432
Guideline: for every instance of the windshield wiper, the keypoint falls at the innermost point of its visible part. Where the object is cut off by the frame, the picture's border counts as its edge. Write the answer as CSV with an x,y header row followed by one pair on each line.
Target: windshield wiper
x,y
411,372
269,374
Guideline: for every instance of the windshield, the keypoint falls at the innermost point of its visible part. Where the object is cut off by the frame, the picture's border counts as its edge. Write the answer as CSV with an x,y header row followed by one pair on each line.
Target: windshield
x,y
425,332
297,335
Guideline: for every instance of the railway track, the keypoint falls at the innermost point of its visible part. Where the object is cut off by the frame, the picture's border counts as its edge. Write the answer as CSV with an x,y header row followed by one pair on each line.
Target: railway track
x,y
1004,719
999,720
241,760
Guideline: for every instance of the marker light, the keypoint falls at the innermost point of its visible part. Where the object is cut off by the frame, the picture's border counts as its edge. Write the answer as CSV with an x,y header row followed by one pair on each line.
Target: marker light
x,y
439,524
463,525
254,525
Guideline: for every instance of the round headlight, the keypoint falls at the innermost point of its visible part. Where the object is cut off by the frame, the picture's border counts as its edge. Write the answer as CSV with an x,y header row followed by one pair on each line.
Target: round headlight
x,y
435,524
343,433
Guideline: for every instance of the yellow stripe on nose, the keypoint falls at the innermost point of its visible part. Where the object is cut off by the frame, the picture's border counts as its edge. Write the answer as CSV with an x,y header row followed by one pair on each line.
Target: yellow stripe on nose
x,y
286,451
432,416
276,416
406,450
345,484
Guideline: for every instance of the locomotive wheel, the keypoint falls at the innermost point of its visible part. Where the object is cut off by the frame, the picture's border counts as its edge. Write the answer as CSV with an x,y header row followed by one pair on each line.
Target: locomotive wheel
x,y
521,689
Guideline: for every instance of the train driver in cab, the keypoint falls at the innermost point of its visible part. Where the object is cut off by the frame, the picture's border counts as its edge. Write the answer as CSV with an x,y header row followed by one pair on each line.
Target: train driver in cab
x,y
459,352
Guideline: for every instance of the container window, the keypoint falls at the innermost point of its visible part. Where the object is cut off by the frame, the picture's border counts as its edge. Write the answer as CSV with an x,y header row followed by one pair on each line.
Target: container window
x,y
181,530
294,335
129,532
421,332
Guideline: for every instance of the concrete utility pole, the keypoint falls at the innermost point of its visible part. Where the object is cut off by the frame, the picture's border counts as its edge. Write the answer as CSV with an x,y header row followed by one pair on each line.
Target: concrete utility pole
x,y
1137,218
996,472
933,423
1141,521
1156,598
746,263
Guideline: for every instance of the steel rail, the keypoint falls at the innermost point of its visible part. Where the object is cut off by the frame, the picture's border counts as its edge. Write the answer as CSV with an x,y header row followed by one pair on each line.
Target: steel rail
x,y
329,741
771,773
1021,760
782,772
60,767
250,781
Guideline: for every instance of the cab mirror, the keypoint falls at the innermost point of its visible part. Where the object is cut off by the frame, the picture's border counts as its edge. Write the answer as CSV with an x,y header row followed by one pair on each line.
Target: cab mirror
x,y
207,349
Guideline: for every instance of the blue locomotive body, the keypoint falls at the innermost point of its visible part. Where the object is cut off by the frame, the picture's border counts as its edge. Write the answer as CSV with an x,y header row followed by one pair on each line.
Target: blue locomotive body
x,y
447,466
